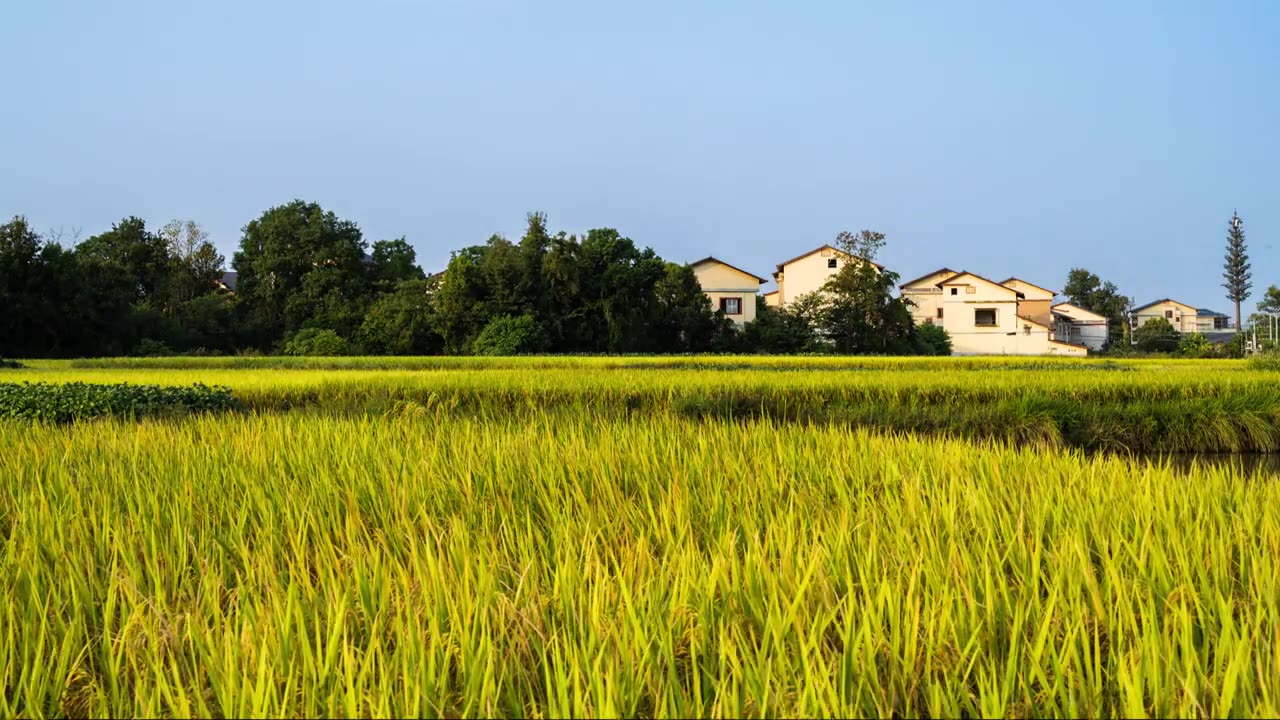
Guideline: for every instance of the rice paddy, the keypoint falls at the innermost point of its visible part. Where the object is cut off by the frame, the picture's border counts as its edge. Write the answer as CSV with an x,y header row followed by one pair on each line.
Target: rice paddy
x,y
554,537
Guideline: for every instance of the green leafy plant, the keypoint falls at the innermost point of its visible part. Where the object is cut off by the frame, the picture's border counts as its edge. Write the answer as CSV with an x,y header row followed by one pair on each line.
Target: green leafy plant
x,y
511,336
60,403
314,342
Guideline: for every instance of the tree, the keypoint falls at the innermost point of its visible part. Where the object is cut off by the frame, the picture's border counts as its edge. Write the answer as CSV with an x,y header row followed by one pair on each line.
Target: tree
x,y
1157,335
685,321
393,262
300,265
195,264
128,262
1088,291
402,322
860,311
779,330
1195,345
1236,270
932,339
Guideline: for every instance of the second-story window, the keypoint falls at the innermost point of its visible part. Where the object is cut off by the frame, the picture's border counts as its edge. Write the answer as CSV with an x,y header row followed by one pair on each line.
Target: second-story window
x,y
831,263
984,318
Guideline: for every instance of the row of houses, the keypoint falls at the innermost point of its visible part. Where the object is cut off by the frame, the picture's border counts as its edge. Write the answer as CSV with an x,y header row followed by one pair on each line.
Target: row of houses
x,y
983,316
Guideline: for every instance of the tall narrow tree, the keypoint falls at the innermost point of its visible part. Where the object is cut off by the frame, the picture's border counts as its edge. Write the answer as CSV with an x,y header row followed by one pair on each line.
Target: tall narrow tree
x,y
1237,274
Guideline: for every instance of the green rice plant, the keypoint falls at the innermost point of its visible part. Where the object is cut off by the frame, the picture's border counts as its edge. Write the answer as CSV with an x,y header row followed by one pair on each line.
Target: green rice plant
x,y
1134,406
615,564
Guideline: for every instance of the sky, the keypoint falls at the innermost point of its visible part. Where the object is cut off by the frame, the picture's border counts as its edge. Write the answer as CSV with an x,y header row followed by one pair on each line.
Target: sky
x,y
1003,138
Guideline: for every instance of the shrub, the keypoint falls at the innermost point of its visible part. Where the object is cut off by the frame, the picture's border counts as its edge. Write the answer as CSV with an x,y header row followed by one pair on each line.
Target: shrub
x,y
1195,345
1156,335
1265,360
150,347
10,364
59,403
511,336
314,342
932,339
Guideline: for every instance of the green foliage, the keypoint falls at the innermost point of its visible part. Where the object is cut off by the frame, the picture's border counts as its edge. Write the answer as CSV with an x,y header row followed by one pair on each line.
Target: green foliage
x,y
1086,290
402,322
1267,360
150,347
1157,335
859,311
1236,269
301,266
932,339
684,319
10,364
66,402
508,335
315,342
1195,345
780,331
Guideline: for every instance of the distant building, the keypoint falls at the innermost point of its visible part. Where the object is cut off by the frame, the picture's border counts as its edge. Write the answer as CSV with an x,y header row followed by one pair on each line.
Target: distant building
x,y
732,290
227,283
807,273
1082,327
985,317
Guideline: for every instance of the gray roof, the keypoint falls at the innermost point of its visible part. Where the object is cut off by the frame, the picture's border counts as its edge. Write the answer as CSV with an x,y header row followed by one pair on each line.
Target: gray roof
x,y
229,280
1206,312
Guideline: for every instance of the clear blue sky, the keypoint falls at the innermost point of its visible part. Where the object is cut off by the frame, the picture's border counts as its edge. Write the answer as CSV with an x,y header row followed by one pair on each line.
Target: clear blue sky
x,y
1006,138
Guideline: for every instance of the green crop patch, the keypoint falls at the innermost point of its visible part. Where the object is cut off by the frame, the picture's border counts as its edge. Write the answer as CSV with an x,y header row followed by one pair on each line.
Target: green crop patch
x,y
60,403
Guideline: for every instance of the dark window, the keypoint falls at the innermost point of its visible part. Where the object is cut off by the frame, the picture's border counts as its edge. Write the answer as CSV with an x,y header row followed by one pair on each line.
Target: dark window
x,y
731,306
984,318
1168,314
955,291
939,313
831,263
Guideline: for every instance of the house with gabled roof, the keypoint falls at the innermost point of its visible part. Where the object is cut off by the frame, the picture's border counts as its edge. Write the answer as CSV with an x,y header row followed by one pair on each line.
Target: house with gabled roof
x,y
1079,326
731,290
1180,315
807,273
986,317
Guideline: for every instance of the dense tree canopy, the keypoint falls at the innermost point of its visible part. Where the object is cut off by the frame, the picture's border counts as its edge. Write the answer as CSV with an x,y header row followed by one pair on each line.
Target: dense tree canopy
x,y
1086,290
308,283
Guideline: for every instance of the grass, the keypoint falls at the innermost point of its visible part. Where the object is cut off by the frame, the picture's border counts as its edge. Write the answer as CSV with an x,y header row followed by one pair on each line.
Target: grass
x,y
307,565
1130,406
645,537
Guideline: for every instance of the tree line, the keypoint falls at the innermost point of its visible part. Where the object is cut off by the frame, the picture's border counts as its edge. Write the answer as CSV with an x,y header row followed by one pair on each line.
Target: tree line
x,y
308,283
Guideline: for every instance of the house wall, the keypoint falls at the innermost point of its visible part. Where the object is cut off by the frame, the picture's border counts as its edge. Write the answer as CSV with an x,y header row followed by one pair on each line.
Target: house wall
x,y
1083,328
1010,336
809,274
721,281
927,297
1183,317
771,298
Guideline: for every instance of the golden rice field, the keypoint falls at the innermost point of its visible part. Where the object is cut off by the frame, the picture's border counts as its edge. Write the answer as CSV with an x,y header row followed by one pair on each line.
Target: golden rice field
x,y
639,537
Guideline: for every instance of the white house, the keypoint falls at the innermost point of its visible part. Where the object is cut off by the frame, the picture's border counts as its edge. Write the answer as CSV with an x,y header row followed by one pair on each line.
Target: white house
x,y
807,273
731,290
1079,326
985,317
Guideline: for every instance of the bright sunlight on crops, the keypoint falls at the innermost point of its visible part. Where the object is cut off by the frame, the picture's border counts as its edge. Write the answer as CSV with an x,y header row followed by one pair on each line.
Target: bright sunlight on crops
x,y
638,538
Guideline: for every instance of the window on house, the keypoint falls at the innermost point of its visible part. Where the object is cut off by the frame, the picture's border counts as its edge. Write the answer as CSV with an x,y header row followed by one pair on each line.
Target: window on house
x,y
939,313
955,291
1026,329
731,306
1168,314
984,318
969,289
831,263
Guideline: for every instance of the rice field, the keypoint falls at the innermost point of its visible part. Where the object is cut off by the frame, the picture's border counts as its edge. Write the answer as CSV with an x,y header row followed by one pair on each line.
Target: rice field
x,y
612,537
